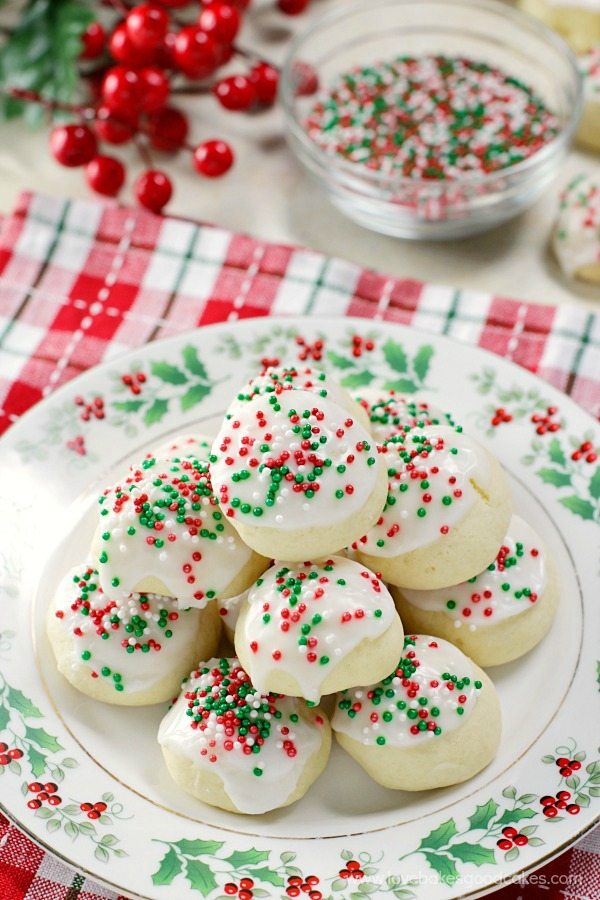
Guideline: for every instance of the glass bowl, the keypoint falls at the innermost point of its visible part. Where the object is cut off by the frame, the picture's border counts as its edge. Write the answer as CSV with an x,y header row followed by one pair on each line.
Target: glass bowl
x,y
481,30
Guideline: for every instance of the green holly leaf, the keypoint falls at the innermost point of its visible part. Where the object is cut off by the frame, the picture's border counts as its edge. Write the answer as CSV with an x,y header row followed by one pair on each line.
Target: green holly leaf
x,y
17,700
483,815
166,372
443,865
192,363
194,395
37,761
128,406
440,836
395,356
156,411
239,859
421,361
169,868
268,875
555,452
401,386
473,853
515,815
554,476
357,379
4,717
41,737
578,506
200,876
341,362
595,484
198,847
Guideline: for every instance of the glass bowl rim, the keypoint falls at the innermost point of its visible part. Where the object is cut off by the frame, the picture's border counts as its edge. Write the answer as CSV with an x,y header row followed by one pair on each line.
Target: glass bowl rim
x,y
373,178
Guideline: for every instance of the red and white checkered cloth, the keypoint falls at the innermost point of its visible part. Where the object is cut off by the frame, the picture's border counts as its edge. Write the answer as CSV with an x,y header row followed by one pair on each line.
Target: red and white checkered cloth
x,y
81,282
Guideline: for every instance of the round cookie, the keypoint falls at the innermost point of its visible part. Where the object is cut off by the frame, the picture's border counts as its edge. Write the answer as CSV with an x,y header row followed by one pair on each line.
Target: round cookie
x,y
447,510
578,21
161,531
297,476
229,611
130,651
576,239
314,628
588,133
233,747
390,413
498,615
183,446
433,722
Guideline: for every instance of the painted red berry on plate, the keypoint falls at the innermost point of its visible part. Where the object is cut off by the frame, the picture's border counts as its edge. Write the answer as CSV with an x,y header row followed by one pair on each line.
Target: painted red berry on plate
x,y
564,795
509,832
153,190
51,787
35,787
562,761
93,814
521,840
100,806
15,754
230,888
575,765
573,809
213,158
54,800
247,884
504,844
85,807
72,145
550,811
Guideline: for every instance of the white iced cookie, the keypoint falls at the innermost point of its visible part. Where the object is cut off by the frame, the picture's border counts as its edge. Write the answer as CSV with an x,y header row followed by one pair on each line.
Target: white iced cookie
x,y
275,379
576,238
578,21
131,651
498,615
391,413
182,446
314,628
232,746
297,475
447,510
229,612
161,531
434,721
588,133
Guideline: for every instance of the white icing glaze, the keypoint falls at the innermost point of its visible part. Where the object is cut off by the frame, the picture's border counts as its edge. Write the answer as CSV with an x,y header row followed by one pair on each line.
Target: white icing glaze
x,y
152,625
305,618
289,740
275,379
577,233
588,5
183,446
261,454
389,713
430,472
391,413
509,586
196,557
589,66
229,609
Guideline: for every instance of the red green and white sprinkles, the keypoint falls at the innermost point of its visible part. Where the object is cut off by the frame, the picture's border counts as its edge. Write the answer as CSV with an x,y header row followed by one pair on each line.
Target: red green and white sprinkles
x,y
589,66
183,446
431,692
130,642
391,413
431,472
431,117
510,585
163,522
291,459
257,743
303,619
577,231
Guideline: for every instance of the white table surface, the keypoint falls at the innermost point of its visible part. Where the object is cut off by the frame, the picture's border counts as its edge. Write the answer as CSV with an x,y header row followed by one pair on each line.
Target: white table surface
x,y
267,195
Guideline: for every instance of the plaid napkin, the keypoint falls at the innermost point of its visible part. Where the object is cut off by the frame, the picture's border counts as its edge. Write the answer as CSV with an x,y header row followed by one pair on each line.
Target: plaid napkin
x,y
82,282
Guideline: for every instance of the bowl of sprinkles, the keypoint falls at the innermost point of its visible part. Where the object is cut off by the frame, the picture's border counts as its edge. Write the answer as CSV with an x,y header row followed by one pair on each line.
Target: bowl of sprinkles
x,y
431,119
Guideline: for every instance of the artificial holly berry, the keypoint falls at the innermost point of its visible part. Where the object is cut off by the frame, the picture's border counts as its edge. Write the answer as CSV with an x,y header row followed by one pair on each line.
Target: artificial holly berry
x,y
265,79
92,39
121,88
115,127
292,7
153,189
213,158
147,25
236,92
167,129
72,145
196,53
105,175
154,88
221,20
123,50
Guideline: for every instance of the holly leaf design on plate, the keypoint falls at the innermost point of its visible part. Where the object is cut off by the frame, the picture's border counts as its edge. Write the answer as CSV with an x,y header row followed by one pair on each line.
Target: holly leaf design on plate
x,y
443,865
340,362
156,411
239,859
17,700
194,395
198,847
595,484
37,761
200,876
395,356
578,506
41,737
401,386
422,360
483,815
4,717
515,815
128,406
192,363
440,836
357,379
473,853
169,868
554,476
168,373
268,875
555,452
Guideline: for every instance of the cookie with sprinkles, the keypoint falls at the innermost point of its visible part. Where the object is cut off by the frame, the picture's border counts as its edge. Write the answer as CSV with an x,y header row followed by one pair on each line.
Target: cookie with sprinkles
x,y
578,21
496,616
229,612
576,239
127,650
588,133
447,510
161,531
182,446
232,746
433,721
391,413
314,628
297,475
275,379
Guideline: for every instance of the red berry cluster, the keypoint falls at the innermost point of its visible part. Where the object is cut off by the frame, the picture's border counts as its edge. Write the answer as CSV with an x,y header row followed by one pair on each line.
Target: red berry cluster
x,y
297,885
7,754
585,449
359,344
77,444
134,382
243,891
511,838
552,805
93,810
546,423
352,869
150,53
312,351
567,766
268,361
95,408
44,793
500,416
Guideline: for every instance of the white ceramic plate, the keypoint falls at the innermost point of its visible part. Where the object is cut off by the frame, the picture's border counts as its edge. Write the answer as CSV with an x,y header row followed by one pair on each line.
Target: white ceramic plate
x,y
348,837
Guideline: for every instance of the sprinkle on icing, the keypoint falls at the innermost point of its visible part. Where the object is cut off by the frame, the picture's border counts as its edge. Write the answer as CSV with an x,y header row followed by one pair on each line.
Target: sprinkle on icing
x,y
431,692
258,743
577,232
163,521
305,618
391,413
430,490
290,457
273,380
589,66
183,446
510,585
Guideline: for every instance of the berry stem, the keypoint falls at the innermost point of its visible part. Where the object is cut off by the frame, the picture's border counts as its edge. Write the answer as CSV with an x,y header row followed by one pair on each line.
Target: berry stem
x,y
193,89
51,105
144,152
253,56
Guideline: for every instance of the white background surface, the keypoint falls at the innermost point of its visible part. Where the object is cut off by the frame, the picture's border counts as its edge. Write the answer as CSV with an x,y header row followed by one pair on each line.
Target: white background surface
x,y
267,195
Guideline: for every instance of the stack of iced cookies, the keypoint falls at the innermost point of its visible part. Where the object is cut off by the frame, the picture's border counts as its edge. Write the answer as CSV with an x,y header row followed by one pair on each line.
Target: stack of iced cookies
x,y
311,528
